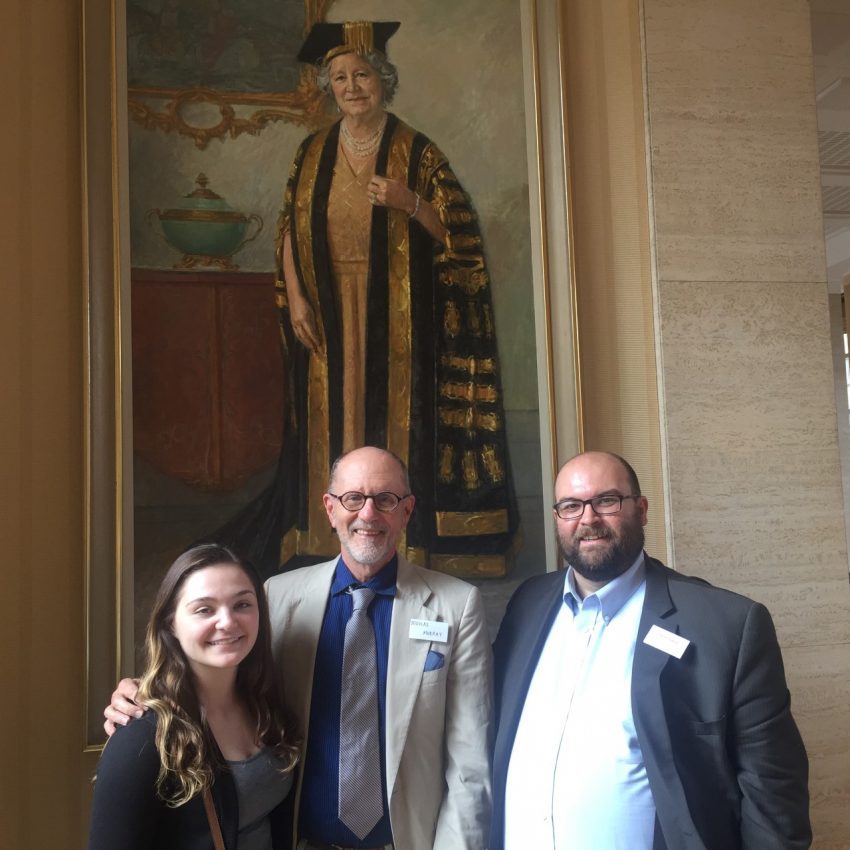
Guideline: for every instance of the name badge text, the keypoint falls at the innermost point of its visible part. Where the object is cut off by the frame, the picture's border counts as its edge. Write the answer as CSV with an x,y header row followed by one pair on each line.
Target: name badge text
x,y
429,630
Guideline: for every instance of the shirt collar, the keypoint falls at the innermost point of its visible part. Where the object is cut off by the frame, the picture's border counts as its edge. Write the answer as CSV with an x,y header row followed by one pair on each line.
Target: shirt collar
x,y
383,584
613,595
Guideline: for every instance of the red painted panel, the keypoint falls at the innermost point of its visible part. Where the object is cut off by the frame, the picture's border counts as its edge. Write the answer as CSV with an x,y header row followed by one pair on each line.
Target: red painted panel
x,y
207,375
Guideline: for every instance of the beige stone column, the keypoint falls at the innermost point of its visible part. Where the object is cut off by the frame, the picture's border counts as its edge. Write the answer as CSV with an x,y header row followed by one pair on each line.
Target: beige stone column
x,y
743,344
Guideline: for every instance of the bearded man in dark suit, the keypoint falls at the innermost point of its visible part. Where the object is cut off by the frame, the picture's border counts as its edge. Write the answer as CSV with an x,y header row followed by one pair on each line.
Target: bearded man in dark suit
x,y
636,707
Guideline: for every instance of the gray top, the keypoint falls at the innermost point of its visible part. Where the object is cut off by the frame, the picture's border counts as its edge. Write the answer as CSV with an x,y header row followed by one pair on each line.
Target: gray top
x,y
260,786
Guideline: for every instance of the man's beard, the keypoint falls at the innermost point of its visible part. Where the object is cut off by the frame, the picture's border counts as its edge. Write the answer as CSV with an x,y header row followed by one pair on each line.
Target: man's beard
x,y
603,566
368,551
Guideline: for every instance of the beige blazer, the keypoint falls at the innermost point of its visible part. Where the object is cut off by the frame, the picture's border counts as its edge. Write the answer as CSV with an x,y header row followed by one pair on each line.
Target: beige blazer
x,y
438,722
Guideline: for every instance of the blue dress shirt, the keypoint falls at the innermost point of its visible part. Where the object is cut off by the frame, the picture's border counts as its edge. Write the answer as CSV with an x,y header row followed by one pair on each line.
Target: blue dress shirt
x,y
577,778
319,813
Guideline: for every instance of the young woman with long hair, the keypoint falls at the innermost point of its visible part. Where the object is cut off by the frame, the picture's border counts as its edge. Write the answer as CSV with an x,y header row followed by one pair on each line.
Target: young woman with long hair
x,y
213,750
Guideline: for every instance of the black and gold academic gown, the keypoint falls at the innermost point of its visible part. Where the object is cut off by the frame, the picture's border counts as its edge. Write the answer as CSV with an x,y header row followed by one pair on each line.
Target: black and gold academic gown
x,y
432,388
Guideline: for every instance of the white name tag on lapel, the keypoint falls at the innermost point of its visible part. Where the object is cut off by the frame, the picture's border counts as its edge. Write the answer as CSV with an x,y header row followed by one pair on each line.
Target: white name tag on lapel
x,y
429,630
668,642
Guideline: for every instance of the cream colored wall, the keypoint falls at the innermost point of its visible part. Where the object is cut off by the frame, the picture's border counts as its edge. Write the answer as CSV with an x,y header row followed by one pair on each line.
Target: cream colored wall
x,y
611,243
744,344
44,782
700,274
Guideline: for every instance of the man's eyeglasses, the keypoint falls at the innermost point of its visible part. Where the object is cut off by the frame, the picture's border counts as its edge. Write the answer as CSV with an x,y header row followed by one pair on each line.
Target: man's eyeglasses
x,y
610,503
353,501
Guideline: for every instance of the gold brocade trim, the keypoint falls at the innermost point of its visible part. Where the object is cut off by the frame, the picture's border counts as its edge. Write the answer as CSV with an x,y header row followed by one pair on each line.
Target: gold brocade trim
x,y
458,217
478,566
490,459
469,392
460,244
470,419
472,566
280,298
284,225
318,536
470,280
400,320
470,470
473,365
416,555
445,470
451,319
448,196
430,161
488,321
465,523
473,319
493,463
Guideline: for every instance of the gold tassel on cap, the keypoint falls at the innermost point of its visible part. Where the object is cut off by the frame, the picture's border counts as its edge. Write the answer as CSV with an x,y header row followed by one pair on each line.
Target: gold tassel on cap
x,y
358,35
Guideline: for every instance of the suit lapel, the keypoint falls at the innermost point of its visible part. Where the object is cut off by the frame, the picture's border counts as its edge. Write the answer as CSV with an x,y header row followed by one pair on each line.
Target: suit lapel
x,y
307,606
406,663
536,621
648,706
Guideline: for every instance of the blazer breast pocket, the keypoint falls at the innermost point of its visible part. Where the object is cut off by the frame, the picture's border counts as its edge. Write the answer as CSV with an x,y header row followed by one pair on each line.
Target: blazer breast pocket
x,y
709,727
434,660
435,670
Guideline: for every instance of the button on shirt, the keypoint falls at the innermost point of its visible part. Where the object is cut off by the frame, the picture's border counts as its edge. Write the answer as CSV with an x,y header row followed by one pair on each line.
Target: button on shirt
x,y
576,778
319,813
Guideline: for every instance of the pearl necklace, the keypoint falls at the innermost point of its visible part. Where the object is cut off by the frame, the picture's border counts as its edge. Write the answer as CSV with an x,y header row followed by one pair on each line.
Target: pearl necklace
x,y
363,147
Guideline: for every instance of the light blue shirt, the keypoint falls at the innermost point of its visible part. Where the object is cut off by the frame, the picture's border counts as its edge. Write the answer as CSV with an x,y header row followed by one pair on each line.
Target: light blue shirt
x,y
577,779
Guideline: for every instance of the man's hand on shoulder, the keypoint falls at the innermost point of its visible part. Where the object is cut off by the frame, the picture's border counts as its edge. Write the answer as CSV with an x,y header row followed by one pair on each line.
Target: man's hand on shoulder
x,y
122,708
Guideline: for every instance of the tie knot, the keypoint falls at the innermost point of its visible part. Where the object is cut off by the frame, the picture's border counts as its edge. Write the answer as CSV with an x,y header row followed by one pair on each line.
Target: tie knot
x,y
361,597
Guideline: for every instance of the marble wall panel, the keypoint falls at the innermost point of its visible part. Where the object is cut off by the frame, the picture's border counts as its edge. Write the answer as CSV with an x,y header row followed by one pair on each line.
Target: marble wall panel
x,y
755,488
732,129
819,681
840,376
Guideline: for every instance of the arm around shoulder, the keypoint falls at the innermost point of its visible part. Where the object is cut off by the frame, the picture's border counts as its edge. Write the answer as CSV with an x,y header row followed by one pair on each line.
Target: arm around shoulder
x,y
125,806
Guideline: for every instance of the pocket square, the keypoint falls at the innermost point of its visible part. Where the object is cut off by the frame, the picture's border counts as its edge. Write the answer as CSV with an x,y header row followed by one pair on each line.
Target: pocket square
x,y
434,660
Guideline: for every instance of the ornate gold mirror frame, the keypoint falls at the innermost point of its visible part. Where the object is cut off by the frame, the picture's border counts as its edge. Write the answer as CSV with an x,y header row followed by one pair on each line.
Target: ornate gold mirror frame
x,y
305,104
109,485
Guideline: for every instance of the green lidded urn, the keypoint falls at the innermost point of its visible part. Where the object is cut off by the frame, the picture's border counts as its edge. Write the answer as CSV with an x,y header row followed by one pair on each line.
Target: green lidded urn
x,y
205,228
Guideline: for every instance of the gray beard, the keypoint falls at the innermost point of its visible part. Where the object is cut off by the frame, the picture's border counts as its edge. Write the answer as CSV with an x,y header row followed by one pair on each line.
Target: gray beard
x,y
366,552
621,556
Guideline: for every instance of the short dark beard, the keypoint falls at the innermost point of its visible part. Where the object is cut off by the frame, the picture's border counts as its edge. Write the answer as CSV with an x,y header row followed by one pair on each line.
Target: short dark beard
x,y
623,554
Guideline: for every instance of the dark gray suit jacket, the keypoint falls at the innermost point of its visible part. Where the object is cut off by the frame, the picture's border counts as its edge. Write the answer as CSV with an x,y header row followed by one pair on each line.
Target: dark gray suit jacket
x,y
725,761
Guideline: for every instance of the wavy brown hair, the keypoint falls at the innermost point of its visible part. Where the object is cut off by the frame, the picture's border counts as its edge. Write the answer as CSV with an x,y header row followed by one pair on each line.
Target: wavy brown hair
x,y
188,753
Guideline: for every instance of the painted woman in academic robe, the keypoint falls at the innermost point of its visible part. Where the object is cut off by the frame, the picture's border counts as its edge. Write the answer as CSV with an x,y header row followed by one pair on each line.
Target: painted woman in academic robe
x,y
387,323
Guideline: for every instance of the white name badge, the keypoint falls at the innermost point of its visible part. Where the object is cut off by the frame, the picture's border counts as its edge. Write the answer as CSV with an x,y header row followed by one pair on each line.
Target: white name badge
x,y
668,642
429,630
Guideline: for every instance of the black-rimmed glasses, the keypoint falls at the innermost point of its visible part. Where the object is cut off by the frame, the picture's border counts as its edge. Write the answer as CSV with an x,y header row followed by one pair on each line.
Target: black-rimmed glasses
x,y
354,501
610,503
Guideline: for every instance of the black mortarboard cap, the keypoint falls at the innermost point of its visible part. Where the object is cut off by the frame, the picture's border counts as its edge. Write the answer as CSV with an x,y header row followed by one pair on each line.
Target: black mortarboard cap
x,y
328,40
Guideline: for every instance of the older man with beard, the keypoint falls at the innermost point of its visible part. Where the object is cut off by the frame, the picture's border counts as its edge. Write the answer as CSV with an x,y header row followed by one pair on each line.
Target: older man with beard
x,y
396,747
387,668
638,708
